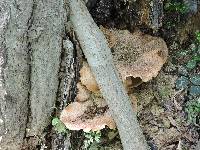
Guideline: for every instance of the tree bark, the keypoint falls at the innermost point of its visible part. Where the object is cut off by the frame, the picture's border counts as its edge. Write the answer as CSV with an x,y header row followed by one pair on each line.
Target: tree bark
x,y
14,72
46,37
31,41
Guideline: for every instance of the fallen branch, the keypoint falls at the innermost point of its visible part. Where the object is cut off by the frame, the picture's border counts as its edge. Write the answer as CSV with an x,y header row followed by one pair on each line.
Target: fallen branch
x,y
99,57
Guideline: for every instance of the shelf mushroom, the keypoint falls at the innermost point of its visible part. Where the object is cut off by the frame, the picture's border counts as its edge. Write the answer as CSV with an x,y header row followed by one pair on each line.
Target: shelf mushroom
x,y
87,78
88,116
136,55
138,58
83,94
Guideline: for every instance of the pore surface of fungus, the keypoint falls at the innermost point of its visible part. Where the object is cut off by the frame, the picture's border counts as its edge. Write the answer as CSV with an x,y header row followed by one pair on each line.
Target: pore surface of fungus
x,y
87,116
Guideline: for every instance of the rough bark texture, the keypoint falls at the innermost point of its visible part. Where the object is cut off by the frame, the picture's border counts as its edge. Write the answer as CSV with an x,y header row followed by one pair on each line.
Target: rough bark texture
x,y
156,14
31,37
15,71
99,58
45,37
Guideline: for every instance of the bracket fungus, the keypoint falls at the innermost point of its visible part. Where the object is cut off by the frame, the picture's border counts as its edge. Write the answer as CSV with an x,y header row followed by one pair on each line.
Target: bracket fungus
x,y
87,115
87,78
90,111
136,54
138,58
83,94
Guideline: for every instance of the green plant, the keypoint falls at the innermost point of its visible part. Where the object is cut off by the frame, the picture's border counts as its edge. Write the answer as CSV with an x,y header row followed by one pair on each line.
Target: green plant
x,y
58,125
193,111
194,52
197,33
192,63
91,137
179,7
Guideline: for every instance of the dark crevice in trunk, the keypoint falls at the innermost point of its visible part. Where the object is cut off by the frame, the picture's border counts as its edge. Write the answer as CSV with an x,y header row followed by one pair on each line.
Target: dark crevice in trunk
x,y
71,58
69,75
56,140
29,24
72,72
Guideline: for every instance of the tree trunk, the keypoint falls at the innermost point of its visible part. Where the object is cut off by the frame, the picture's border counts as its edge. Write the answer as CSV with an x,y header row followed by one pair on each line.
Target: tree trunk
x,y
31,42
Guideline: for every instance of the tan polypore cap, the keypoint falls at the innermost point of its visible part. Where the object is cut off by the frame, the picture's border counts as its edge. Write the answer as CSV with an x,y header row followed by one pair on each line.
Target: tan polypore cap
x,y
86,116
146,67
87,78
83,94
136,54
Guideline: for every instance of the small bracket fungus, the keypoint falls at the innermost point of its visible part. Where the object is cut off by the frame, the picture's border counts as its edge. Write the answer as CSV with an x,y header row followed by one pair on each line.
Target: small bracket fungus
x,y
90,111
83,94
87,78
87,116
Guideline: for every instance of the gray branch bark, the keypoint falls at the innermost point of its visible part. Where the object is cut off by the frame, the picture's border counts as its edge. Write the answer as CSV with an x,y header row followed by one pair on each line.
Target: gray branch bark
x,y
99,57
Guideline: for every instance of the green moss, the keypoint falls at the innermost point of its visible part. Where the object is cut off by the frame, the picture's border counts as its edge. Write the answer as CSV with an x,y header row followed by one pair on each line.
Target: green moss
x,y
165,91
197,33
165,84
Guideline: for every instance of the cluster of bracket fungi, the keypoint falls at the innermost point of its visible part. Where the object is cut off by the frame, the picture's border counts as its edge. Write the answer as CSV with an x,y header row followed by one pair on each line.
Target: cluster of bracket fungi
x,y
138,58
